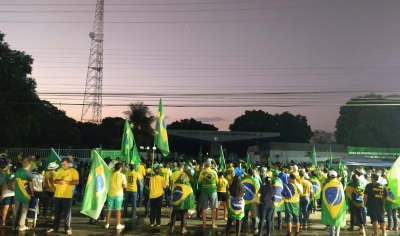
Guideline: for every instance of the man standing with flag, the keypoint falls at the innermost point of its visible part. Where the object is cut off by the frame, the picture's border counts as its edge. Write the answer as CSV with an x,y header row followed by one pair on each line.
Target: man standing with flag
x,y
208,180
64,179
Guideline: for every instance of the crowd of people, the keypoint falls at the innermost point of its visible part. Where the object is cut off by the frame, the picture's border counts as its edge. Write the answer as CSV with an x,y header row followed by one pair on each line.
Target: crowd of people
x,y
255,196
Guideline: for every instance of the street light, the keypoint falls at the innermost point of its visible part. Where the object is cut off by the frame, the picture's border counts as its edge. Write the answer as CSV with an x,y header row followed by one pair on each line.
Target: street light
x,y
154,148
147,147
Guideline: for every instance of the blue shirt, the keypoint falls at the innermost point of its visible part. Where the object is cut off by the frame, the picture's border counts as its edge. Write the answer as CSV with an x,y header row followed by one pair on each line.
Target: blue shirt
x,y
284,177
239,172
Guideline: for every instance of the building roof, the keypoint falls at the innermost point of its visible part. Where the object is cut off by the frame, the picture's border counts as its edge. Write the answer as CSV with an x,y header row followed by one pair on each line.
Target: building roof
x,y
303,147
220,136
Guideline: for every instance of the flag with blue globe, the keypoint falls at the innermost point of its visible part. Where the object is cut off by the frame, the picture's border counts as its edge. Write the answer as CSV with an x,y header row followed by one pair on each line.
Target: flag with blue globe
x,y
97,187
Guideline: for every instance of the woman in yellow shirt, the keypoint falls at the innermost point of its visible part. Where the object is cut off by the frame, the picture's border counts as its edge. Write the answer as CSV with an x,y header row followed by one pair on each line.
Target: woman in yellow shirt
x,y
156,186
222,186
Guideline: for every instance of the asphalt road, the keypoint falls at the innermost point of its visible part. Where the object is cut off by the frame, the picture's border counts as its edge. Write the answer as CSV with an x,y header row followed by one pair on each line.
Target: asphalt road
x,y
140,226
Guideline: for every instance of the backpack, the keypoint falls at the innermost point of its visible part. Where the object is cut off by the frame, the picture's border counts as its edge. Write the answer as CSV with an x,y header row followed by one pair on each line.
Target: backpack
x,y
10,185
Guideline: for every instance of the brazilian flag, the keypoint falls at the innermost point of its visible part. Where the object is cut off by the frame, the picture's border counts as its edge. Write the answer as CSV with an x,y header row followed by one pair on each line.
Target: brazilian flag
x,y
291,196
333,204
278,200
316,187
235,208
390,202
353,189
251,185
182,195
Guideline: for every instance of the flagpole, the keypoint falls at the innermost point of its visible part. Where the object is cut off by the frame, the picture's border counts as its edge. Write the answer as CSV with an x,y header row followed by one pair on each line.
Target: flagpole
x,y
152,159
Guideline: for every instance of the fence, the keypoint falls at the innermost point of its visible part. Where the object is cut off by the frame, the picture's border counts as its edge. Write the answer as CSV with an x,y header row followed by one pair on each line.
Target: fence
x,y
43,153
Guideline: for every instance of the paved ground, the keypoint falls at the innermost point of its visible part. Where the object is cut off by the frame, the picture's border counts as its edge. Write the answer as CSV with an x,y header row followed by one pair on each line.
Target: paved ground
x,y
140,226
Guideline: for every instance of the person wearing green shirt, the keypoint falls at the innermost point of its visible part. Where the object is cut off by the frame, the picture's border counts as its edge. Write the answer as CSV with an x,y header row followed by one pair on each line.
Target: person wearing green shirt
x,y
23,188
391,210
208,179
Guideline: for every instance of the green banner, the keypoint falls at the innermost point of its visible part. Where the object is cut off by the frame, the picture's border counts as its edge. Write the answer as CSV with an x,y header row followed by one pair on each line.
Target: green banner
x,y
113,154
377,153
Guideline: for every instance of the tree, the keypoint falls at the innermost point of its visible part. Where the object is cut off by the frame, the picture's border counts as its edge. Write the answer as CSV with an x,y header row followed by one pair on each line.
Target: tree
x,y
25,120
191,124
291,128
141,119
369,121
111,132
323,137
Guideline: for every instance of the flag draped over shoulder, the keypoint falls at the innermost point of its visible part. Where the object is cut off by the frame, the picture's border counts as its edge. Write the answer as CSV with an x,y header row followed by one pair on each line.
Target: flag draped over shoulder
x,y
333,204
393,178
278,200
251,185
291,195
53,157
248,158
161,136
316,187
135,158
221,159
182,195
127,142
235,208
313,157
97,187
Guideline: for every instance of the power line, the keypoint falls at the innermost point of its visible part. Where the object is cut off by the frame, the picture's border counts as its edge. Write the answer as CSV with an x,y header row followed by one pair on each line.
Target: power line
x,y
172,11
136,4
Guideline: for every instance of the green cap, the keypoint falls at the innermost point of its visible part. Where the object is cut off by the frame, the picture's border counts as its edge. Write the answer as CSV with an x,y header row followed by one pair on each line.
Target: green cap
x,y
275,172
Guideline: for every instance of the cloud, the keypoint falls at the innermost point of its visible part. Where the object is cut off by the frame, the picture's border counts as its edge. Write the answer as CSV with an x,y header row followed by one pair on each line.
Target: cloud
x,y
209,119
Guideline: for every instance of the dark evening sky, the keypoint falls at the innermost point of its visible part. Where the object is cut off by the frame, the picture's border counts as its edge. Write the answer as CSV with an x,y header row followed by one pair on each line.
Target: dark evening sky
x,y
212,60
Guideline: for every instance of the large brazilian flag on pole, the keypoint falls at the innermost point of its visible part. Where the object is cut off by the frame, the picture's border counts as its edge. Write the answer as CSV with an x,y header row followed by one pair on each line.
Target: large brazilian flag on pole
x,y
334,206
161,136
97,187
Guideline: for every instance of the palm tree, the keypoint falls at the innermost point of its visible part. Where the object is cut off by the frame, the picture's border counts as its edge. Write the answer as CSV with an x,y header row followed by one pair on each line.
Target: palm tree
x,y
141,119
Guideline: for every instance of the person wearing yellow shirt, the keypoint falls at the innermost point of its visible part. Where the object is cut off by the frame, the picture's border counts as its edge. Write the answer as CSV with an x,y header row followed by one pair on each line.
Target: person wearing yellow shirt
x,y
305,197
157,186
142,175
116,195
175,175
64,179
20,157
229,176
222,186
166,173
132,180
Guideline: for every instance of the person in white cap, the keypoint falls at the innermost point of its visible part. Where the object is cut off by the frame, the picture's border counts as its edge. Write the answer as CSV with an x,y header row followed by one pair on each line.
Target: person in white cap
x,y
49,189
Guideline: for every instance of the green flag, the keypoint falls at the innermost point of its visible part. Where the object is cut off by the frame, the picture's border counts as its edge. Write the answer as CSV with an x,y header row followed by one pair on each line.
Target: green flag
x,y
340,167
101,151
97,187
248,158
135,158
221,158
53,157
313,157
161,136
330,166
127,142
201,153
393,178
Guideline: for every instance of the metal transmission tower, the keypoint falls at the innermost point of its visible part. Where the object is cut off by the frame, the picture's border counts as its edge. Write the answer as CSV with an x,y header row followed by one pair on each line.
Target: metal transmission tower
x,y
94,79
